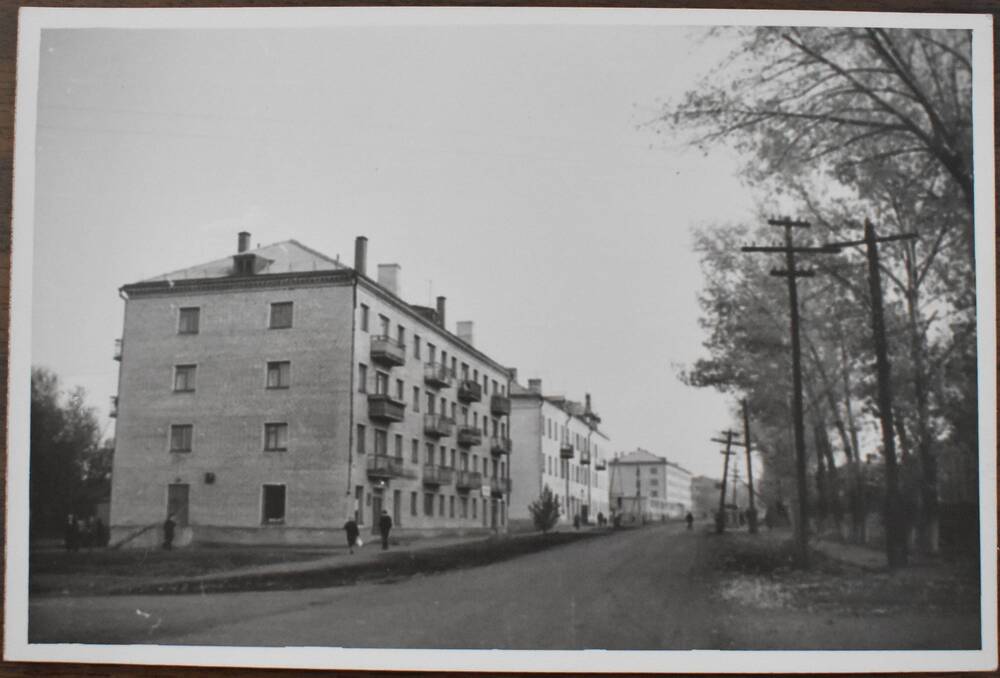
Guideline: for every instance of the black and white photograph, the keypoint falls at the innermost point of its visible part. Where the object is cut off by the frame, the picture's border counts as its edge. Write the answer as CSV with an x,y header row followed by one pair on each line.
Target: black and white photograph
x,y
503,339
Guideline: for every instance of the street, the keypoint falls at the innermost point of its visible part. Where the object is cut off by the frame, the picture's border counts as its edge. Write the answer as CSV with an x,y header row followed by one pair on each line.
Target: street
x,y
638,589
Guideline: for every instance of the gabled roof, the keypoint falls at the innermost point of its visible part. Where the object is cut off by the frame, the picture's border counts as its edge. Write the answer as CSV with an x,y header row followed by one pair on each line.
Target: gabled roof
x,y
288,256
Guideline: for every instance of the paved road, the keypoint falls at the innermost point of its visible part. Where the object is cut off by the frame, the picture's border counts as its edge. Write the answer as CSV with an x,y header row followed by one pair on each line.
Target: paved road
x,y
631,590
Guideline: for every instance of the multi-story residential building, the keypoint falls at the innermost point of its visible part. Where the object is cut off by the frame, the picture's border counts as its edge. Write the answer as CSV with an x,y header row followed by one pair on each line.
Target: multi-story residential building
x,y
273,394
646,487
559,444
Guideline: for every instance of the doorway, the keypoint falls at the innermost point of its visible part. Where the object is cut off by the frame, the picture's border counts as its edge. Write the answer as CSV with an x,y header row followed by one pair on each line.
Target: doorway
x,y
177,503
376,508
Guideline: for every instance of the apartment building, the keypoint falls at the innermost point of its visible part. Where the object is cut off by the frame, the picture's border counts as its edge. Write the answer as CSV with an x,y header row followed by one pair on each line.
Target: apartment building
x,y
559,444
645,487
268,396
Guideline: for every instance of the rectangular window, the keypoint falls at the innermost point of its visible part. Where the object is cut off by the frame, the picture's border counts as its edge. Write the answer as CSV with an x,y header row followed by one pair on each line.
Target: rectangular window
x,y
451,458
383,325
475,375
430,453
442,459
399,391
187,321
494,386
451,506
279,374
180,437
415,451
381,442
381,383
364,318
413,503
276,437
362,444
184,377
398,446
454,365
273,504
416,346
416,398
281,315
465,372
441,505
654,493
653,482
428,504
431,352
464,506
401,335
474,509
430,403
362,378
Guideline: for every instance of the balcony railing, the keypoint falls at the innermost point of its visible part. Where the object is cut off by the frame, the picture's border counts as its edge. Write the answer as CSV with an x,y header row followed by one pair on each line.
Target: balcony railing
x,y
499,445
499,486
584,458
438,375
468,435
382,466
438,475
383,407
118,349
114,407
566,451
470,391
600,465
499,405
468,480
387,351
438,425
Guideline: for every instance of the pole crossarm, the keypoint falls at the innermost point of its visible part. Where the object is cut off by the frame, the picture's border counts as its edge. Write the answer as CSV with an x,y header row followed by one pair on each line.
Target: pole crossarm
x,y
734,442
789,223
879,239
830,248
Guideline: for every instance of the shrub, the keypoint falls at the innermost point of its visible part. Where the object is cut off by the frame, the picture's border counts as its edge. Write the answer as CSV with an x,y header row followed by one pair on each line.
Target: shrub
x,y
545,510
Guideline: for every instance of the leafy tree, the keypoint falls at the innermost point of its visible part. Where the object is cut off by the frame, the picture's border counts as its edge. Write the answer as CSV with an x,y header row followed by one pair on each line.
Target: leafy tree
x,y
65,452
544,510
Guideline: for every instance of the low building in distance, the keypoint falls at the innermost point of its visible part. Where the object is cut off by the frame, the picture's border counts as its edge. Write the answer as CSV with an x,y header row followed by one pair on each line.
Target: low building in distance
x,y
645,487
269,396
559,444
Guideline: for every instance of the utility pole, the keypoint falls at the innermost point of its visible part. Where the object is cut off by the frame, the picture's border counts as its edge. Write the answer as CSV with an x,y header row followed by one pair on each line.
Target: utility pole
x,y
895,542
752,511
792,274
720,518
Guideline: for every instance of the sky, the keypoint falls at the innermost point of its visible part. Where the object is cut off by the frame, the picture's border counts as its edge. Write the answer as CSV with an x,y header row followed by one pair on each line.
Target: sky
x,y
510,169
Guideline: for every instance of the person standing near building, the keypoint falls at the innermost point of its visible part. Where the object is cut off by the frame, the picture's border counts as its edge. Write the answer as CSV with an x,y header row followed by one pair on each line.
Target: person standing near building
x,y
689,519
168,533
351,530
384,525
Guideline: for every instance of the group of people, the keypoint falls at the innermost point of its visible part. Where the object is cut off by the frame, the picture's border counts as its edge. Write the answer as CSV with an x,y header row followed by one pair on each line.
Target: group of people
x,y
88,533
354,533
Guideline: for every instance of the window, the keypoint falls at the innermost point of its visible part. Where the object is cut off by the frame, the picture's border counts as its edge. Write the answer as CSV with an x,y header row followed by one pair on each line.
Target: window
x,y
416,398
430,403
398,446
451,458
442,459
383,325
475,375
454,365
276,437
362,445
180,437
495,386
451,506
431,352
401,335
464,507
399,391
416,346
362,378
465,416
653,469
465,372
184,377
428,504
381,383
653,482
415,451
381,442
474,504
441,505
413,503
187,321
364,318
430,453
273,504
279,374
281,315
654,493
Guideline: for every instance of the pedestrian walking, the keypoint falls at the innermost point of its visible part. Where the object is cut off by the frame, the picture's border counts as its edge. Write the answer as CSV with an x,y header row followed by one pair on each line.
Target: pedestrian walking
x,y
351,530
384,525
689,519
168,533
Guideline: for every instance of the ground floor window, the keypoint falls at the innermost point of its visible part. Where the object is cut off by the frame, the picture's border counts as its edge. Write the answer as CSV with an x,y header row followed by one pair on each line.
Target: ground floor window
x,y
474,503
441,505
451,507
413,503
273,504
428,504
464,506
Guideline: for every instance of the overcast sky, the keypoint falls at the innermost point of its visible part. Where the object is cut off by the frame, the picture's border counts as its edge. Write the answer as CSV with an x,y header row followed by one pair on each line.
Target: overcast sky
x,y
506,168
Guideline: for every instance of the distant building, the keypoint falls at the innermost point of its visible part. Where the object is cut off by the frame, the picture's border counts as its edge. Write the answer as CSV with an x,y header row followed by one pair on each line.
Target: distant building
x,y
559,443
269,396
705,496
645,487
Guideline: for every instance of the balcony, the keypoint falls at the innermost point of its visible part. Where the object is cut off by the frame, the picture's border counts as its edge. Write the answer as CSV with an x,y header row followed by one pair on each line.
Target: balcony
x,y
383,467
118,349
113,412
438,475
438,376
499,486
468,480
584,458
566,451
387,351
500,406
384,408
600,465
470,391
469,436
438,425
500,445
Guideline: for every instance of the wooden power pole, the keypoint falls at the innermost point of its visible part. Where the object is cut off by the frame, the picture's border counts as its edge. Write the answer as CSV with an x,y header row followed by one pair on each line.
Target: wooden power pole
x,y
752,511
720,518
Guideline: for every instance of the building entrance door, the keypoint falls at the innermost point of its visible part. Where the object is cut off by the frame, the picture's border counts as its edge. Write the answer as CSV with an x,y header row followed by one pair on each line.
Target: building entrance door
x,y
493,513
177,503
585,514
397,503
376,509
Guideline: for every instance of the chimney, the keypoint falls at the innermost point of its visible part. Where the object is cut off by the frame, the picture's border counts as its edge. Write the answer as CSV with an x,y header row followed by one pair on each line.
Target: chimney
x,y
440,309
361,254
535,386
587,409
388,277
464,331
242,241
